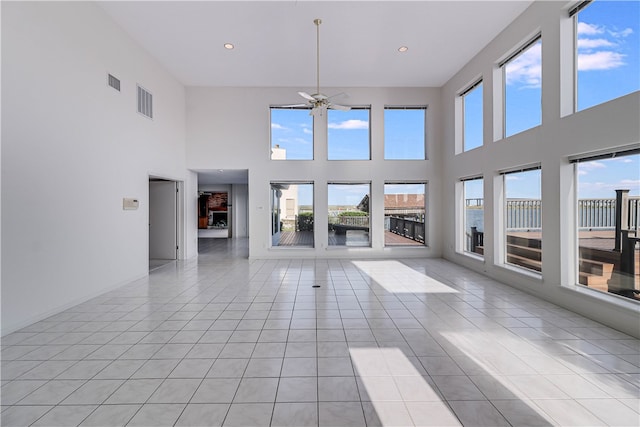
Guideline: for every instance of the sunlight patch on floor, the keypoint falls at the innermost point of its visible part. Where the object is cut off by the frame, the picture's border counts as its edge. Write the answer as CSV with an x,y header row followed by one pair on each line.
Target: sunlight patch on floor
x,y
398,393
398,278
505,376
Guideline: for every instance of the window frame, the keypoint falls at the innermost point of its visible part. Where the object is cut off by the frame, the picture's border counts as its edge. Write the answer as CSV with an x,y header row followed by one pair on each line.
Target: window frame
x,y
312,128
369,184
424,141
463,116
283,208
425,184
505,219
633,150
530,42
463,225
352,108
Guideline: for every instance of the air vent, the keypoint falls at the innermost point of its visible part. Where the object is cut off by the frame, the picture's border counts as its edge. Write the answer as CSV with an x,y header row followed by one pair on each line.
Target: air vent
x,y
114,82
145,102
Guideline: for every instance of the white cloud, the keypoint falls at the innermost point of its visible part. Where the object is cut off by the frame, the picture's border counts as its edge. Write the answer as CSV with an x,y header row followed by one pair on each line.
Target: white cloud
x,y
526,69
593,165
589,29
594,43
307,131
350,124
603,60
585,168
278,126
621,34
302,141
607,189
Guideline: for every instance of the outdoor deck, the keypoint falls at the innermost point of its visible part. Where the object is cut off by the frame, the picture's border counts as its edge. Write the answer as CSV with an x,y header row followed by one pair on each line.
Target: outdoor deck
x,y
305,239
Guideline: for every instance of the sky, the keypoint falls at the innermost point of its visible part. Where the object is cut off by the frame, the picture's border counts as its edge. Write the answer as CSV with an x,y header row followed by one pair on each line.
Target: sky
x,y
608,66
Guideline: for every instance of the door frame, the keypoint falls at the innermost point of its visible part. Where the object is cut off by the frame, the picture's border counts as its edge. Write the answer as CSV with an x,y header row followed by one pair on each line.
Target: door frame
x,y
180,214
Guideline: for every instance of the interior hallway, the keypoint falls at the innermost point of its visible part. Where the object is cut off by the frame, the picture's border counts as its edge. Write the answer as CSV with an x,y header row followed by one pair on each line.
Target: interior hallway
x,y
223,340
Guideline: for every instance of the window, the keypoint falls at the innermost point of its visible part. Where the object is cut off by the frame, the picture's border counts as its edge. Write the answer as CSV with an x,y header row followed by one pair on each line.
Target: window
x,y
348,134
291,134
292,214
608,214
404,214
405,133
472,117
607,41
349,214
522,77
473,218
523,218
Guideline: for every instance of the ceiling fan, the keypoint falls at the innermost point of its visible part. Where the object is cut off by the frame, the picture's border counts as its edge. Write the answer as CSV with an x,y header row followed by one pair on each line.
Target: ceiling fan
x,y
318,101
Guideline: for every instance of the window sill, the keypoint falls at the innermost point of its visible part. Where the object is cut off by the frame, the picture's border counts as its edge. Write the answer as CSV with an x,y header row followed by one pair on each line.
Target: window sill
x,y
297,248
521,271
607,297
471,255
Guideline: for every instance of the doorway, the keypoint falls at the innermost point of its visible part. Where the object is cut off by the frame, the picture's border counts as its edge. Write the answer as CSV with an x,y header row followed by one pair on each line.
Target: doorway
x,y
163,222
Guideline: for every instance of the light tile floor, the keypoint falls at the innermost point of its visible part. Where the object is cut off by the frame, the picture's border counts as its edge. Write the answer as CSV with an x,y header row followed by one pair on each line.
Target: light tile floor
x,y
228,341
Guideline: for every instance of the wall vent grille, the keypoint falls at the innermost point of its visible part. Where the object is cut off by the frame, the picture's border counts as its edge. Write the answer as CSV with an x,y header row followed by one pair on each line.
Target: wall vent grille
x,y
114,82
145,102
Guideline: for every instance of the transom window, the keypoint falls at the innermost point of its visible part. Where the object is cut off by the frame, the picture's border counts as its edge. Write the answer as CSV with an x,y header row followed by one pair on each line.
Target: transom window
x,y
607,50
522,77
348,135
291,134
472,117
405,133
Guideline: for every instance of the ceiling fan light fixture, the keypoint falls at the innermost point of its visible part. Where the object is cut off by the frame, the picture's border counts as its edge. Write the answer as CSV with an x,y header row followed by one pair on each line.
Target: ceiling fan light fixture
x,y
403,49
318,101
229,46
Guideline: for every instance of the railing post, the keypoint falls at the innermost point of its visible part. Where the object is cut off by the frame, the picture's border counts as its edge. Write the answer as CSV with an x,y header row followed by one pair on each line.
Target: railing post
x,y
622,217
474,238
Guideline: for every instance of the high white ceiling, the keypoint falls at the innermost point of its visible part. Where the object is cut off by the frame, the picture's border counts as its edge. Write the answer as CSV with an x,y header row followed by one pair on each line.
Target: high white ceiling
x,y
275,42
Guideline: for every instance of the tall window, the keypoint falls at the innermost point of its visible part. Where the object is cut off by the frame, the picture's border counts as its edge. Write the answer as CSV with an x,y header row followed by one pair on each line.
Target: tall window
x,y
292,214
405,133
474,215
522,76
472,117
523,219
349,214
291,134
608,215
607,40
404,214
348,134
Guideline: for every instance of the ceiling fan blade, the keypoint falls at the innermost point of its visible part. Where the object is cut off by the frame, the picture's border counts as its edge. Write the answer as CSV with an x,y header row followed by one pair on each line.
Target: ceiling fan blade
x,y
305,95
339,107
294,106
340,95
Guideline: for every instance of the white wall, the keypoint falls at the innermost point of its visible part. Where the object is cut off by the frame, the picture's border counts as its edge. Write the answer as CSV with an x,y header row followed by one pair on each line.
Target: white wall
x,y
72,149
607,126
191,213
240,210
228,128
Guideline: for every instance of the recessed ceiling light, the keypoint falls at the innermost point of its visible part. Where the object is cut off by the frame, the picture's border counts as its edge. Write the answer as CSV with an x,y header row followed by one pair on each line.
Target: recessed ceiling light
x,y
228,46
403,49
